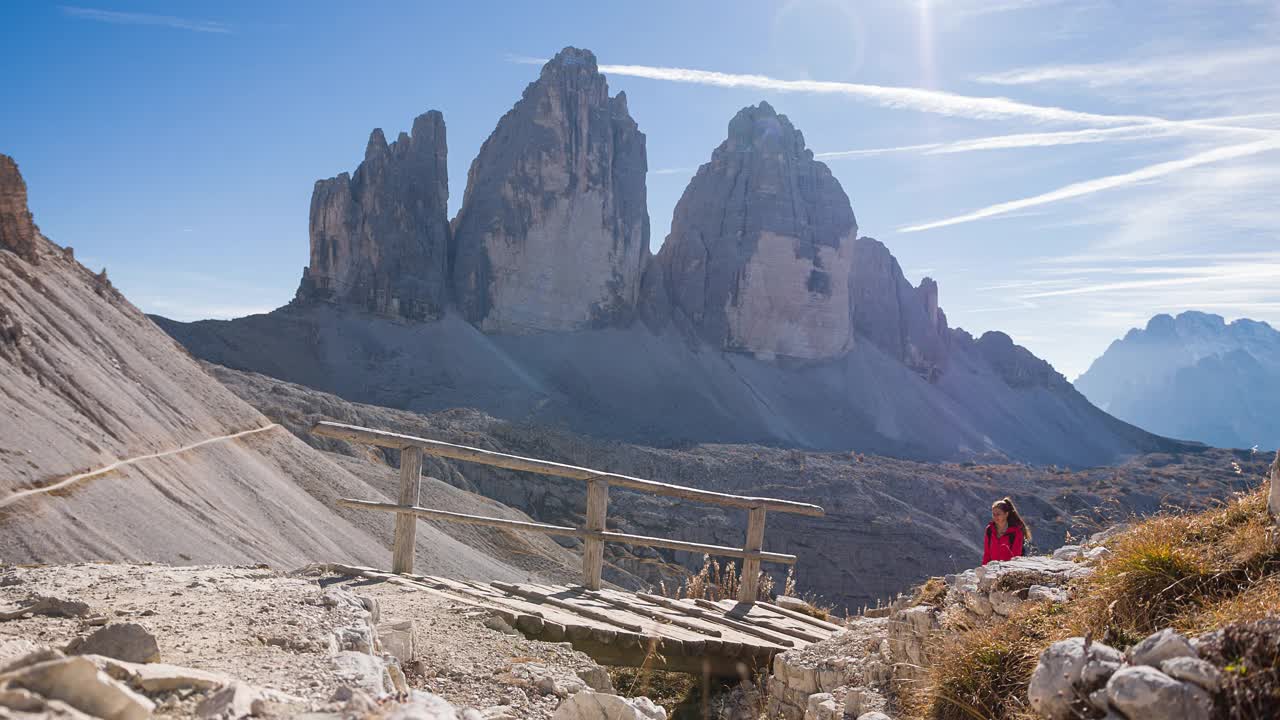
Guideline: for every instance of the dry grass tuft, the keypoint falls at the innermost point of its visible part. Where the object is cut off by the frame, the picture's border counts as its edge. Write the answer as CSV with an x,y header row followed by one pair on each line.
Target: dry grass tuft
x,y
932,593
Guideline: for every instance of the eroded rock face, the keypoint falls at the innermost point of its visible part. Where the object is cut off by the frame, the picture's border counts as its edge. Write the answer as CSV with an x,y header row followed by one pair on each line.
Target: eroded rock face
x,y
554,232
761,245
902,320
18,231
380,237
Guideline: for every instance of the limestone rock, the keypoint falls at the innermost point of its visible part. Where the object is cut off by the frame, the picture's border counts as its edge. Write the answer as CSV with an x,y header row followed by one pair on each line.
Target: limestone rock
x,y
230,703
424,706
901,320
589,705
1160,646
380,236
397,639
874,716
761,245
46,605
1068,552
822,706
553,232
78,682
18,232
1067,673
123,641
1144,693
1193,670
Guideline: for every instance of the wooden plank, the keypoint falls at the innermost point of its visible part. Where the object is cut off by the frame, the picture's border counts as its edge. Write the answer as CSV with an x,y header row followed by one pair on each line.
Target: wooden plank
x,y
593,547
750,582
655,612
719,619
382,438
406,524
794,615
564,530
557,602
766,624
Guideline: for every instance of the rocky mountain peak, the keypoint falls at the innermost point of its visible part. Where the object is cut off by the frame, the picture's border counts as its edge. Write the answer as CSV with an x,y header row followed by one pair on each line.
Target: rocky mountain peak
x,y
761,245
380,236
18,230
554,232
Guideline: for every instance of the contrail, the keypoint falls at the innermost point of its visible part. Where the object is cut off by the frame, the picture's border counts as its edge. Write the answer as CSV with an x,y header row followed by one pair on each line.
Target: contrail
x,y
907,98
1089,187
1071,137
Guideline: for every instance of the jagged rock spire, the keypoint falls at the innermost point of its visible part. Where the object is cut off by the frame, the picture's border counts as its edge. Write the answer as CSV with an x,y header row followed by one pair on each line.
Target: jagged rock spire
x,y
554,231
380,237
761,245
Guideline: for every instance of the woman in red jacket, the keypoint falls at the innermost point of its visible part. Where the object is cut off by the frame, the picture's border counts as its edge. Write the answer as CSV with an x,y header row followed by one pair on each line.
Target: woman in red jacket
x,y
1005,533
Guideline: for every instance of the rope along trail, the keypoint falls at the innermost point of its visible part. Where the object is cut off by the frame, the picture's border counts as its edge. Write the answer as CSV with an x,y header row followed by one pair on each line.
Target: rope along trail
x,y
122,463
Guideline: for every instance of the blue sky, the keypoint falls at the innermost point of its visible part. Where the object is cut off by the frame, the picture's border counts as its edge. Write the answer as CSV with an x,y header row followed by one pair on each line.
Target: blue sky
x,y
1063,169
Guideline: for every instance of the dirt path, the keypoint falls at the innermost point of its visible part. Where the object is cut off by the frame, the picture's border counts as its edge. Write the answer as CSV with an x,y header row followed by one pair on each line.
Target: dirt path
x,y
15,497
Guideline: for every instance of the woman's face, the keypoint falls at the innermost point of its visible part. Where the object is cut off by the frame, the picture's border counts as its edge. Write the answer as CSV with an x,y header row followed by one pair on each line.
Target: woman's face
x,y
999,516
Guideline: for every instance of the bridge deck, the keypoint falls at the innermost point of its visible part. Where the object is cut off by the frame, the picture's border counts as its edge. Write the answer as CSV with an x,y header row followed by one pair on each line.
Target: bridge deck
x,y
615,627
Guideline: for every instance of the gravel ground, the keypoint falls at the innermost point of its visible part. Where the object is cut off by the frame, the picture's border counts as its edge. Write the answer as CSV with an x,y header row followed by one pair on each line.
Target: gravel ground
x,y
278,632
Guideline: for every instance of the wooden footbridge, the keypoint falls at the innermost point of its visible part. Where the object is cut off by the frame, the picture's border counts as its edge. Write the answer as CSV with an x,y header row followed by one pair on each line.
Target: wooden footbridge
x,y
612,626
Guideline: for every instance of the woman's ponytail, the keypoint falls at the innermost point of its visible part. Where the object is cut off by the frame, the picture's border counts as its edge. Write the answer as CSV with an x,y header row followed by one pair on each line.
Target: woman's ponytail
x,y
1015,520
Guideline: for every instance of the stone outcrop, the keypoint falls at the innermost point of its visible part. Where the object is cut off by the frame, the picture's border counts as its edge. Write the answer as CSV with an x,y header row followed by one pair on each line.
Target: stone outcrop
x,y
902,320
18,230
761,245
553,232
1162,678
380,237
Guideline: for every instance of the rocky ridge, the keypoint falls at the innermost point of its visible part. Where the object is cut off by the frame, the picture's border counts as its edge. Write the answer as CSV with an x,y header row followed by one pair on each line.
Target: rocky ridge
x,y
18,230
1193,376
554,230
380,237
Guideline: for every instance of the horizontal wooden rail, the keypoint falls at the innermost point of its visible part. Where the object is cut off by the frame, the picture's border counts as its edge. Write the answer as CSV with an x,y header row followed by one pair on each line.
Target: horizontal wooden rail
x,y
564,530
386,439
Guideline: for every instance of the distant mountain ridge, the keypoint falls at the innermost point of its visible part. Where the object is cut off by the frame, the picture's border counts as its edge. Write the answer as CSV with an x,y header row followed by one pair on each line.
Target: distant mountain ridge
x,y
1195,377
764,317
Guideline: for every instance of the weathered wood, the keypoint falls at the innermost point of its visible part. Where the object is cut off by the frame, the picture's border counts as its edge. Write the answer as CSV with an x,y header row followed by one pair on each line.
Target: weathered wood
x,y
383,438
640,609
593,547
801,617
697,612
765,623
406,524
557,602
565,530
750,582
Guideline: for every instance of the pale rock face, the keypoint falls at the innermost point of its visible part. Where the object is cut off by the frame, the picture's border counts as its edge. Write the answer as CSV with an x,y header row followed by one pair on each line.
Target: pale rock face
x,y
553,233
18,231
380,237
761,245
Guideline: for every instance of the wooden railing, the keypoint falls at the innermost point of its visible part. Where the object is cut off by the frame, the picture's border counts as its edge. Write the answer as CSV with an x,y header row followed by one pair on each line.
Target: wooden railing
x,y
593,534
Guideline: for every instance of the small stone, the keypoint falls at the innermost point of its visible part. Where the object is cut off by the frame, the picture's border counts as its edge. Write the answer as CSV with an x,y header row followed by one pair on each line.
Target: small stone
x,y
494,622
1098,553
596,678
1193,670
1144,693
792,603
1068,552
1160,646
1045,592
230,703
874,716
47,605
123,641
588,705
78,682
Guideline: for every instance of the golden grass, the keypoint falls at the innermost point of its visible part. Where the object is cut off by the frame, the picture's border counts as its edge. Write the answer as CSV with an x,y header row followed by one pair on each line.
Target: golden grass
x,y
1191,571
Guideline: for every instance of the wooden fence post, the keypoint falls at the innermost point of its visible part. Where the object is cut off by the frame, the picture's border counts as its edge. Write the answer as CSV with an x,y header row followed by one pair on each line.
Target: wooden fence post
x,y
593,548
406,523
750,584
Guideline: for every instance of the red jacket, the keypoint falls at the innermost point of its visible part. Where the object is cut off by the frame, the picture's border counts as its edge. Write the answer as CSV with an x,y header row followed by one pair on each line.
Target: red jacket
x,y
1002,547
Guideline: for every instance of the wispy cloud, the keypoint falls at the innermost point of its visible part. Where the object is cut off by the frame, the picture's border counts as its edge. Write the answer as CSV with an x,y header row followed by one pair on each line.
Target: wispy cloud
x,y
1175,69
1110,182
185,311
905,98
673,171
130,18
1215,125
